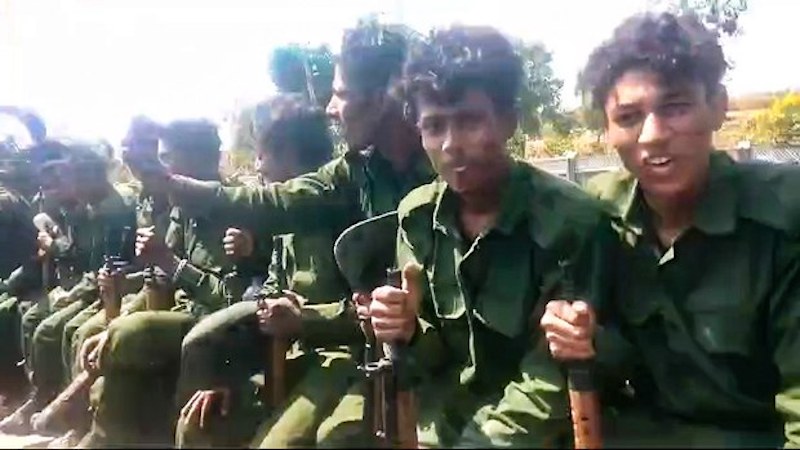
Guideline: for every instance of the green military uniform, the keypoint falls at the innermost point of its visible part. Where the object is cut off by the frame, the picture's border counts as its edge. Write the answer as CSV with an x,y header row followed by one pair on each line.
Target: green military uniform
x,y
715,317
86,230
300,263
18,241
316,207
485,376
148,212
134,404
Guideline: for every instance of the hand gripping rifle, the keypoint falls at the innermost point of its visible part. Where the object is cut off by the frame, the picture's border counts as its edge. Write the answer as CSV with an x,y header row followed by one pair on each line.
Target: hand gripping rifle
x,y
44,223
117,260
365,254
583,399
276,346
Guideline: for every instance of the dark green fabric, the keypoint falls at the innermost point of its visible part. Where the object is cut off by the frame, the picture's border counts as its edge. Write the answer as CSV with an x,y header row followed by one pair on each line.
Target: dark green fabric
x,y
714,318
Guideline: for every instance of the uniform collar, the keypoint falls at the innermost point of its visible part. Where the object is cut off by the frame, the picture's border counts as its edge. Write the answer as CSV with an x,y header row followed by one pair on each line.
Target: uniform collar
x,y
514,205
716,212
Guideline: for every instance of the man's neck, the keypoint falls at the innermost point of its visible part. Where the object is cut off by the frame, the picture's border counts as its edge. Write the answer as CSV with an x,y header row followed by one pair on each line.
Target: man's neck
x,y
479,210
674,214
397,142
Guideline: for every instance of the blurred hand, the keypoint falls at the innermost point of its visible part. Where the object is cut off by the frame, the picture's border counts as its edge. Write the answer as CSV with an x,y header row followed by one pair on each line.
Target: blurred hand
x,y
151,249
569,329
203,403
238,243
281,317
393,311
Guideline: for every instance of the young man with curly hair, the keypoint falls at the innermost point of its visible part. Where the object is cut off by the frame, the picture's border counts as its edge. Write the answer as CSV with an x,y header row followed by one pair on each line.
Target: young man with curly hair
x,y
709,296
489,236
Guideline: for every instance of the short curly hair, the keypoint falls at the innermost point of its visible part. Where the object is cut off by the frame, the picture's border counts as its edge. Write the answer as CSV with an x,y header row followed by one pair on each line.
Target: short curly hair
x,y
675,47
289,122
371,57
455,59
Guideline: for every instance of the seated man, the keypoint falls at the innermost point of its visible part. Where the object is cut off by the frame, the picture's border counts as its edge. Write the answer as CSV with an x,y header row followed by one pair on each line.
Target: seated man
x,y
92,211
710,290
489,236
139,354
292,139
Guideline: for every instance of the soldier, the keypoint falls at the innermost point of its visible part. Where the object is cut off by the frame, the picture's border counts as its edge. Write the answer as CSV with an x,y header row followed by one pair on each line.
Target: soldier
x,y
383,163
292,139
489,237
710,296
138,354
19,246
75,177
151,210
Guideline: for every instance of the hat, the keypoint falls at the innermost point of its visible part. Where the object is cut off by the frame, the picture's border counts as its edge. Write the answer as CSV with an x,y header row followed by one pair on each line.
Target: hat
x,y
366,252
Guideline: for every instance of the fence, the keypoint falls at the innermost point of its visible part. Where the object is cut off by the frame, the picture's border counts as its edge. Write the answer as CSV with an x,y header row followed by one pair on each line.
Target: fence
x,y
580,168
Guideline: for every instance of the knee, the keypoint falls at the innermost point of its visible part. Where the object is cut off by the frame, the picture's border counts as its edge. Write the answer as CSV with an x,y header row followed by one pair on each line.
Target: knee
x,y
45,330
214,328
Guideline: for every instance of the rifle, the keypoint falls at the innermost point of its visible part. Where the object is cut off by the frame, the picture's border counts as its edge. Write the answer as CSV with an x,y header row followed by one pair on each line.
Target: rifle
x,y
276,348
389,406
117,259
44,223
583,399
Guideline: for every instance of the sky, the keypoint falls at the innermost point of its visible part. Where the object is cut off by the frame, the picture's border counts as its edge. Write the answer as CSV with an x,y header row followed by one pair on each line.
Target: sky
x,y
88,66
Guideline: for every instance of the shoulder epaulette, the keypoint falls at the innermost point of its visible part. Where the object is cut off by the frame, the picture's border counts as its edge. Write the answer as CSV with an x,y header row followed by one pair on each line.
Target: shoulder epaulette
x,y
770,194
419,197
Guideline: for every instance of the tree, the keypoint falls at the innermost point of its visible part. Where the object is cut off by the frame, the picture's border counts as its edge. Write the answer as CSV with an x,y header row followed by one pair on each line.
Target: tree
x,y
780,124
540,96
720,15
303,70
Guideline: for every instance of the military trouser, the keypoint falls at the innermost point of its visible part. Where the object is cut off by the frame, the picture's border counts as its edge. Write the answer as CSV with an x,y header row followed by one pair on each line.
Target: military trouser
x,y
33,317
94,325
639,428
226,349
48,374
134,402
12,376
450,415
310,401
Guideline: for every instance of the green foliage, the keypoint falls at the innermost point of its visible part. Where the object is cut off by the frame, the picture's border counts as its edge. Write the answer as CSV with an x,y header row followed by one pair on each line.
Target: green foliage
x,y
303,70
540,97
559,145
720,15
780,124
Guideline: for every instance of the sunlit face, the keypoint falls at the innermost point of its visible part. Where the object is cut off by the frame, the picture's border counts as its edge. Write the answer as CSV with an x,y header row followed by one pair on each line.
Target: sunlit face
x,y
357,114
663,133
466,140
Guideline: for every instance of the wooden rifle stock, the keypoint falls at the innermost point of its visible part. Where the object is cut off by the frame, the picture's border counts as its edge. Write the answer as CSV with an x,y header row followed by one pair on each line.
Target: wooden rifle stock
x,y
584,402
389,405
275,375
584,406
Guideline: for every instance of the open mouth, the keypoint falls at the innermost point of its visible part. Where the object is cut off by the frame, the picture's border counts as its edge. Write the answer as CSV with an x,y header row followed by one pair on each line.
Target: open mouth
x,y
658,163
